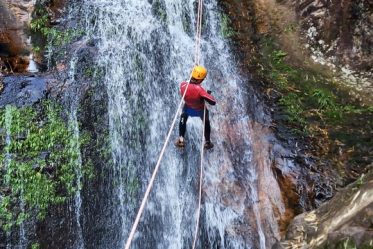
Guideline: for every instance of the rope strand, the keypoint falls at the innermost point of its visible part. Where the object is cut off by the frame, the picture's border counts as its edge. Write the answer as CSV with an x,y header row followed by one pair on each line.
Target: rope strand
x,y
200,180
198,45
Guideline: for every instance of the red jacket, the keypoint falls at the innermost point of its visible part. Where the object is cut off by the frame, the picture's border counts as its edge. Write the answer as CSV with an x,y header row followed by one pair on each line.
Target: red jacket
x,y
196,96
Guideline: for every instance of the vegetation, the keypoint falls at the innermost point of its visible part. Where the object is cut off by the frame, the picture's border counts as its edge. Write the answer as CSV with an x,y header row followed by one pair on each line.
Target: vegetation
x,y
313,105
38,162
40,25
226,27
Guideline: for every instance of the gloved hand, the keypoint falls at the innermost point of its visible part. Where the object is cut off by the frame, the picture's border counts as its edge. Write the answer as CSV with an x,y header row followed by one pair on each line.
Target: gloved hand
x,y
209,91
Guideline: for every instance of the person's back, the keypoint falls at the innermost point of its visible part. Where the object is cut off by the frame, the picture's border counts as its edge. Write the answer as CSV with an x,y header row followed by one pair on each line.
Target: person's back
x,y
196,96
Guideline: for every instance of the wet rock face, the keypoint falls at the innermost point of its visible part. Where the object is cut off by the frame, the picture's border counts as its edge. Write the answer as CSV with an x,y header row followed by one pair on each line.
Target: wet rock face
x,y
15,15
22,90
339,33
347,218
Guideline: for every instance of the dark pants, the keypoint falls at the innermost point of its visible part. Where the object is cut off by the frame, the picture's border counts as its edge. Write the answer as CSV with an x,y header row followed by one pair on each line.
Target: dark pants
x,y
184,118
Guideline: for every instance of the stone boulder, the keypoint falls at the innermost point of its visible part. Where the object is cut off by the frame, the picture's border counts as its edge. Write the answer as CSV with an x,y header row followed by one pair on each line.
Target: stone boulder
x,y
345,219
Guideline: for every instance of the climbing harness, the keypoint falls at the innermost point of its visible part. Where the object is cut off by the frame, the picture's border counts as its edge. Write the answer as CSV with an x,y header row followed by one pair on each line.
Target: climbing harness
x,y
151,182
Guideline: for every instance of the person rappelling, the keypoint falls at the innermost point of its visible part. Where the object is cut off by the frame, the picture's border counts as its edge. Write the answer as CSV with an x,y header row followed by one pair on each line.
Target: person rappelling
x,y
194,106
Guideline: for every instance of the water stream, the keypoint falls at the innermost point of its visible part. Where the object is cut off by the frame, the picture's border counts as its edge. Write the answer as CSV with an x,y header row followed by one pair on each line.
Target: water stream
x,y
146,48
73,101
8,125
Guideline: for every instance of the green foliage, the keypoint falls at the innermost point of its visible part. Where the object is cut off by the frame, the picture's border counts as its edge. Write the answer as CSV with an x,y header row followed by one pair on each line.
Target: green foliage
x,y
313,104
41,24
293,109
226,27
360,181
325,100
39,163
278,56
346,244
35,246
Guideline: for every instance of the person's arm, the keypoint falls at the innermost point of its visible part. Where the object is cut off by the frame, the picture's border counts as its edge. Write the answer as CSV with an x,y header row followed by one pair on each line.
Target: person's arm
x,y
208,97
183,86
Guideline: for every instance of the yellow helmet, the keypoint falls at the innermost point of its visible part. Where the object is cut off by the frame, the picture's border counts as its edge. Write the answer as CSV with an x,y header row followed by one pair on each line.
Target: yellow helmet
x,y
199,72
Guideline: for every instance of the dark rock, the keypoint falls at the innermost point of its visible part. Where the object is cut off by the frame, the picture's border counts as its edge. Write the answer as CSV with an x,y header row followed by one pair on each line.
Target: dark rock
x,y
22,90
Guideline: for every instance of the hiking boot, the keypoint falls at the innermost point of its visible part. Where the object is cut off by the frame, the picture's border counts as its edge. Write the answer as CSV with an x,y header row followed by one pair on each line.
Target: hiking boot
x,y
208,145
180,142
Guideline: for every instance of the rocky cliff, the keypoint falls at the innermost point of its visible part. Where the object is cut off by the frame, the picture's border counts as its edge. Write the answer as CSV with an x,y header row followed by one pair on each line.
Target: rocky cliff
x,y
339,34
307,53
15,47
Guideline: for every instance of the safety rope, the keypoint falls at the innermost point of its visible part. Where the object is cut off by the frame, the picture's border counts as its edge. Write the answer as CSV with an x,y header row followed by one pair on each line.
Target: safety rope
x,y
198,32
200,180
142,206
151,182
198,45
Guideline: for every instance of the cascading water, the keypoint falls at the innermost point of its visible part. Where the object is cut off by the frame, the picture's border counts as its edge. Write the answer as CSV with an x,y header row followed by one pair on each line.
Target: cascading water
x,y
73,98
23,242
146,49
8,125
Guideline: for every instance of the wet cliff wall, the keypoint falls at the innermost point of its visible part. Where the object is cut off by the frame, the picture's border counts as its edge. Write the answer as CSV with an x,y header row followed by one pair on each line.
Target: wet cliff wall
x,y
24,32
339,34
312,63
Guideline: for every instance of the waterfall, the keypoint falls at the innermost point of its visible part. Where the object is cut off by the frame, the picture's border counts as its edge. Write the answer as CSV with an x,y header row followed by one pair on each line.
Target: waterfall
x,y
8,125
23,241
79,243
146,49
73,100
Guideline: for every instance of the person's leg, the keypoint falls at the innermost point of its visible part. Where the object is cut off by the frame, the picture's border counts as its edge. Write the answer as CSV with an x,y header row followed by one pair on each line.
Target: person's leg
x,y
207,126
182,124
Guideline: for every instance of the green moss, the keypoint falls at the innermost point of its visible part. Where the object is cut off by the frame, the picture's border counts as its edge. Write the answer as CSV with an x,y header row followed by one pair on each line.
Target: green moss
x,y
226,27
38,164
40,26
35,246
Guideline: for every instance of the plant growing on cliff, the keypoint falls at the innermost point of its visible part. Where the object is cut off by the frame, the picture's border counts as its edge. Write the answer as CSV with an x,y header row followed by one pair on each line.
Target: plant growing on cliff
x,y
37,164
226,27
52,36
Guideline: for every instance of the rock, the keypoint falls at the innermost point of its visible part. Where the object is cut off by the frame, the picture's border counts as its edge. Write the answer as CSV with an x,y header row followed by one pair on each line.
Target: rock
x,y
339,35
347,216
15,16
22,90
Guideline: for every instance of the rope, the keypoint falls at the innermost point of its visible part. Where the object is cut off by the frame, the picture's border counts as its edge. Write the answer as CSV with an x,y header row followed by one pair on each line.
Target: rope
x,y
200,179
150,185
198,44
198,32
142,206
